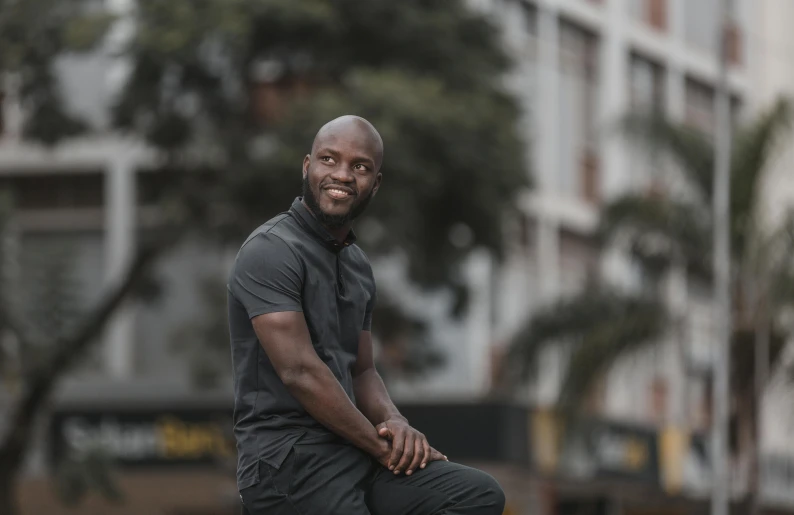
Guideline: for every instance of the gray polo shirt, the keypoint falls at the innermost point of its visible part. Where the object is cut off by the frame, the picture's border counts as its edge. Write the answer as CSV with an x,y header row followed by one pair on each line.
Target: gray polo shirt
x,y
291,263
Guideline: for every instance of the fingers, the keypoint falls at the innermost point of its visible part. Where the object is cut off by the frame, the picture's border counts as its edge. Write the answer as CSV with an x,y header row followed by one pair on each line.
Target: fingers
x,y
398,445
436,456
419,454
425,452
408,452
383,430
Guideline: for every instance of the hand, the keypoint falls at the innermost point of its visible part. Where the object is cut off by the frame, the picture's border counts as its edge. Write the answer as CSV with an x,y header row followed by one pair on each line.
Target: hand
x,y
410,449
383,452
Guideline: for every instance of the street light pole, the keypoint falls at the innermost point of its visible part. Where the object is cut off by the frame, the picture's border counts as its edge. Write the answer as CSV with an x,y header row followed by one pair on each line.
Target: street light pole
x,y
721,470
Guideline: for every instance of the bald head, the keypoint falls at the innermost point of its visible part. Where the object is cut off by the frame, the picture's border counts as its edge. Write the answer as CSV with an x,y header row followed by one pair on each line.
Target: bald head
x,y
354,129
342,173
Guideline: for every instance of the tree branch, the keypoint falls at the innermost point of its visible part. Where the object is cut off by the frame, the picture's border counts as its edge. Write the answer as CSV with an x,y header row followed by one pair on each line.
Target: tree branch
x,y
67,349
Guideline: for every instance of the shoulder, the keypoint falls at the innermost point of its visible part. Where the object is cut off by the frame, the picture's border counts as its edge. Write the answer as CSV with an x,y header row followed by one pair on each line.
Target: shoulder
x,y
270,241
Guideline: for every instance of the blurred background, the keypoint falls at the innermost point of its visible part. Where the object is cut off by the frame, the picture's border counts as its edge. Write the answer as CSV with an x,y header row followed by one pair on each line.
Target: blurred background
x,y
542,241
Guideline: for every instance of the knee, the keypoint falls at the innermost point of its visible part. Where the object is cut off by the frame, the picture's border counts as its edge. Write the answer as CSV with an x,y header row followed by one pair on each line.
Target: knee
x,y
488,492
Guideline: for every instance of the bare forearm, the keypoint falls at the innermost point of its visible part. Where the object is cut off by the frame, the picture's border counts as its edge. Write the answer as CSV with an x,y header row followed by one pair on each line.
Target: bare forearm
x,y
372,398
322,396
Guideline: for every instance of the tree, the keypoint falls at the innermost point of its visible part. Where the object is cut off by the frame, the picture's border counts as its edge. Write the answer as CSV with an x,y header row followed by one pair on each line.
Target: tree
x,y
662,233
231,93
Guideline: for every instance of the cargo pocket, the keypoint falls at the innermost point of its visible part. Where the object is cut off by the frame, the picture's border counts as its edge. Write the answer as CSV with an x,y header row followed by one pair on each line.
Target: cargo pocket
x,y
281,478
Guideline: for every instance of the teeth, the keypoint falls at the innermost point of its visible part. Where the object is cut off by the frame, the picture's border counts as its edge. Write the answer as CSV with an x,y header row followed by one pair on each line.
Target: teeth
x,y
340,192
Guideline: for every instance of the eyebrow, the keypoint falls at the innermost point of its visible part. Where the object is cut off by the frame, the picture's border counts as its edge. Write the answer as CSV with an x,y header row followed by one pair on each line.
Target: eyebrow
x,y
326,150
356,159
360,159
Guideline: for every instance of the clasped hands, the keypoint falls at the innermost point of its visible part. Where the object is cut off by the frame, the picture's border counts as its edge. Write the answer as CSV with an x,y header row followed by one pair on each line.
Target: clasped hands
x,y
408,450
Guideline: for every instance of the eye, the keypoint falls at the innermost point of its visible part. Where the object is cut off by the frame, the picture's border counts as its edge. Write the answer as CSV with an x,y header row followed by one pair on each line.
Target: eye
x,y
360,168
326,159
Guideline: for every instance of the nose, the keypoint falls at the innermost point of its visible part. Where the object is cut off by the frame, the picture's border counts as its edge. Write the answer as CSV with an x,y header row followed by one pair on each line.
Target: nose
x,y
343,174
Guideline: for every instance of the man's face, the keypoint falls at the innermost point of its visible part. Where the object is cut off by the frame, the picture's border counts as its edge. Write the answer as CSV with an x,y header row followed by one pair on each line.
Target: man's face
x,y
341,176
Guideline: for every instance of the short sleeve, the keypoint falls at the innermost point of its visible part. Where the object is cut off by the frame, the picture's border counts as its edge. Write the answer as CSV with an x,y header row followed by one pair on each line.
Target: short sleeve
x,y
367,326
267,276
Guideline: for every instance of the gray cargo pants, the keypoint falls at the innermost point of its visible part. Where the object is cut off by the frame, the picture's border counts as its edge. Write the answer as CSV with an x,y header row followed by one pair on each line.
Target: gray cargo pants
x,y
339,479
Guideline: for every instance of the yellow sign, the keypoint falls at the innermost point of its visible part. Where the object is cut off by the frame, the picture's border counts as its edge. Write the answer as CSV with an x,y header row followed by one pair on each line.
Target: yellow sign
x,y
183,440
673,447
546,433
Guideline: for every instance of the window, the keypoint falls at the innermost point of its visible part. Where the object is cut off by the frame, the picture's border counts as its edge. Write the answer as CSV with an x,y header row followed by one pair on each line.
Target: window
x,y
60,274
647,95
700,106
521,38
578,62
55,191
578,261
646,85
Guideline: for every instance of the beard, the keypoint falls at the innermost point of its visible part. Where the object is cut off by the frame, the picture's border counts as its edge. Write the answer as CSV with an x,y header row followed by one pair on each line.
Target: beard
x,y
332,221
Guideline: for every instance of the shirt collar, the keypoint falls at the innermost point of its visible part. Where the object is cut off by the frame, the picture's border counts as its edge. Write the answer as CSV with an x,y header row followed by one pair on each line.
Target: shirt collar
x,y
309,222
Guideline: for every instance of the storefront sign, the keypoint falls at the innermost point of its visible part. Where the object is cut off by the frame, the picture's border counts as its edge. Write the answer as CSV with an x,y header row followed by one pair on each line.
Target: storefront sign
x,y
624,451
600,448
145,438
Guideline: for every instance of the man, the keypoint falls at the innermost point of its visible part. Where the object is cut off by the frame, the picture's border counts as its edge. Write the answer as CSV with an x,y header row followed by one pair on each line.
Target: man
x,y
317,433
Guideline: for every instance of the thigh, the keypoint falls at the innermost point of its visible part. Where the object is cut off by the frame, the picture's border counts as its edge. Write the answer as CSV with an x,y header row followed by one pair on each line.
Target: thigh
x,y
270,494
442,485
330,478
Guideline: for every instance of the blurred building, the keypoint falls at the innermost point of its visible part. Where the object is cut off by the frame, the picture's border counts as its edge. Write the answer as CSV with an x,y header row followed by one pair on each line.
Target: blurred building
x,y
580,66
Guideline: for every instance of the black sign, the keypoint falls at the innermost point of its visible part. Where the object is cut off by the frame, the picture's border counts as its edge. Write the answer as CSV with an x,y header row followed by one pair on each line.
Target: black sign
x,y
166,437
624,451
476,432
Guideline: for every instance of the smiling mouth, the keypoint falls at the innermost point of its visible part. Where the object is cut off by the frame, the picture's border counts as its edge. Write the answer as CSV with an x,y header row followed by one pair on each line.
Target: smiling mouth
x,y
338,194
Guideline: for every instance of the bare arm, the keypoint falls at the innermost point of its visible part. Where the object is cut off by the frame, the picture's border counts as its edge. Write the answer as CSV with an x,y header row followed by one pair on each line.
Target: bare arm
x,y
371,396
285,338
410,449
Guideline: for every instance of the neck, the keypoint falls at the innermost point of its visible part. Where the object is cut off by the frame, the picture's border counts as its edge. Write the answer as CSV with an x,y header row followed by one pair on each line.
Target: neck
x,y
339,233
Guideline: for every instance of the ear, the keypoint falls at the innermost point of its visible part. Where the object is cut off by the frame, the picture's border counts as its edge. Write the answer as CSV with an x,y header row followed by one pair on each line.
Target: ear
x,y
378,179
307,161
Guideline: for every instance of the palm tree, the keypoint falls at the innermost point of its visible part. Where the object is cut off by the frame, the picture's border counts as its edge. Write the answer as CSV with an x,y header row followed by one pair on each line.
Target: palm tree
x,y
663,233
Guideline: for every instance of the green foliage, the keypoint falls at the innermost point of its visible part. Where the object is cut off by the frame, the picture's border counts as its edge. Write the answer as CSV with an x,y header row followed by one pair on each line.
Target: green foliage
x,y
761,257
753,147
76,477
692,150
405,349
429,80
599,325
33,34
661,231
82,33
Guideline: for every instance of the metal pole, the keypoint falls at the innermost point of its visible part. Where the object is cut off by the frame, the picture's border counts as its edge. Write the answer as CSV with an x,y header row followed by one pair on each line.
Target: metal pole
x,y
721,473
